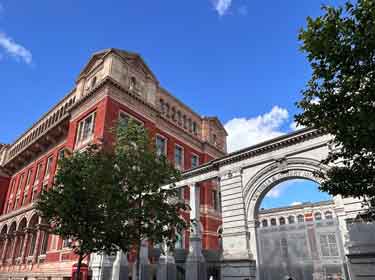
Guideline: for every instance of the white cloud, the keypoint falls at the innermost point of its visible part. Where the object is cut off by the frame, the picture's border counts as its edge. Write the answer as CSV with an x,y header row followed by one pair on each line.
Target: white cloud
x,y
279,189
244,132
222,6
295,203
14,49
294,126
276,191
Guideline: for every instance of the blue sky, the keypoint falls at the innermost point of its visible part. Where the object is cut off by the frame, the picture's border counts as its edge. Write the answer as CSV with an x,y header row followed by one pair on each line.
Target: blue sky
x,y
238,59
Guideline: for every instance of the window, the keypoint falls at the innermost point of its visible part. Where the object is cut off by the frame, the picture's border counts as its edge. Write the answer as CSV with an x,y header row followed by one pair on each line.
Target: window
x,y
43,248
125,118
195,127
33,193
282,221
318,216
132,83
66,243
179,241
24,198
264,223
194,161
173,114
38,170
28,177
93,82
179,157
32,244
328,215
291,220
86,129
161,145
328,245
273,222
48,168
215,201
20,183
214,139
179,117
300,218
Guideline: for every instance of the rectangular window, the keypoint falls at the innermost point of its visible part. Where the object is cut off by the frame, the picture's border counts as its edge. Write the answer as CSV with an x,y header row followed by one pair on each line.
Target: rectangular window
x,y
24,198
48,168
215,200
161,146
34,194
28,177
328,245
194,161
37,175
20,183
179,157
124,118
43,248
85,130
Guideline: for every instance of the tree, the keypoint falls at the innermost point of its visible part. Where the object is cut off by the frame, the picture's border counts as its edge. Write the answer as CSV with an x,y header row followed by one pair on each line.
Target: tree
x,y
83,204
154,211
339,99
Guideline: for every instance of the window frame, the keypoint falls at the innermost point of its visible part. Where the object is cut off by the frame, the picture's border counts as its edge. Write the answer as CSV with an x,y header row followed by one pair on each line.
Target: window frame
x,y
165,144
142,123
181,168
191,160
80,141
47,171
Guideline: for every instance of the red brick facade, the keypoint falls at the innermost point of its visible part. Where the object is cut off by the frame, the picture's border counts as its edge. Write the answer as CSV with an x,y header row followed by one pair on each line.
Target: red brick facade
x,y
113,81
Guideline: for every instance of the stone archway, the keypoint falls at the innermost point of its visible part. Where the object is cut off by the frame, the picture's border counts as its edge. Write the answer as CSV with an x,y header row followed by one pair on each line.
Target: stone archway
x,y
272,175
266,179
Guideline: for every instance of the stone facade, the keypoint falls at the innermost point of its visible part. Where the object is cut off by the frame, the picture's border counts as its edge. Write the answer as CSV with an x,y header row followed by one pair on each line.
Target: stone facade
x,y
114,84
245,178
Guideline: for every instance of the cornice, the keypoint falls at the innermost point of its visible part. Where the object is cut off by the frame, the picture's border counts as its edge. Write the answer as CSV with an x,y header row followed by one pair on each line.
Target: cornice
x,y
261,148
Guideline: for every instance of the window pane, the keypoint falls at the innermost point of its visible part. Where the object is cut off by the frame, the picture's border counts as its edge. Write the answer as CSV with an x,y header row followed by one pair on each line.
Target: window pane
x,y
160,146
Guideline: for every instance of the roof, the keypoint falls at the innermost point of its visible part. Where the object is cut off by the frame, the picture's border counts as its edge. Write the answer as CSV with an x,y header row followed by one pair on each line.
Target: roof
x,y
122,53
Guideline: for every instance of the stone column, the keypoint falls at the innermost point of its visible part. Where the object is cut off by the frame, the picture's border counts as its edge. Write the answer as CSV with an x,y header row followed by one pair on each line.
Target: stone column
x,y
3,255
195,267
237,260
24,247
37,243
16,239
166,269
120,270
144,263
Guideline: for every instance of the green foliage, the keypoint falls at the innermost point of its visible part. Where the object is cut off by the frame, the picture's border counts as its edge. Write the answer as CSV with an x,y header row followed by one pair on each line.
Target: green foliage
x,y
340,97
104,200
154,211
82,205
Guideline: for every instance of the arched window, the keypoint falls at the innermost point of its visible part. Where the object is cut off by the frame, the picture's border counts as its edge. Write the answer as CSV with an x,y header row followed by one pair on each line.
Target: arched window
x,y
328,215
300,219
291,220
318,216
264,223
132,83
93,82
179,241
273,222
282,221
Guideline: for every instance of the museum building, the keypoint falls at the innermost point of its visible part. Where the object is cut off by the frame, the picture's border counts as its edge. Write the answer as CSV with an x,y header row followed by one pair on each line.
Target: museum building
x,y
115,84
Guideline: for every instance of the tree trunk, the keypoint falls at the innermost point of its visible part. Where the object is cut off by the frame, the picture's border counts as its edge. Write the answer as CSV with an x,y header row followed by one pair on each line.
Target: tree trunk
x,y
78,272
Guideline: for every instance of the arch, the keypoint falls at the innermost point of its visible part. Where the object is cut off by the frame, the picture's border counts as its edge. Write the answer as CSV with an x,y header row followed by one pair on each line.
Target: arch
x,y
291,219
34,220
12,228
4,229
317,216
22,224
275,173
282,221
